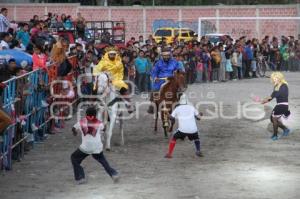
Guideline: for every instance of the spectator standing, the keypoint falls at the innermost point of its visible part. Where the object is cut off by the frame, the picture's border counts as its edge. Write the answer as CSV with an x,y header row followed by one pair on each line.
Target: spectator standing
x,y
274,54
33,21
58,55
4,22
80,26
39,58
234,61
35,31
141,65
229,69
5,40
199,70
255,50
284,54
247,57
215,61
88,63
23,35
222,77
206,61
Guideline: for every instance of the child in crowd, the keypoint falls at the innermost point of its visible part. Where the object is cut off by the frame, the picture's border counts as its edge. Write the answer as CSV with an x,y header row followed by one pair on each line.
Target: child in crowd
x,y
199,70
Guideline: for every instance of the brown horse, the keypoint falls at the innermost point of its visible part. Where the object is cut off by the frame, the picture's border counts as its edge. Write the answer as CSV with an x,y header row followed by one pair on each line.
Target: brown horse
x,y
166,98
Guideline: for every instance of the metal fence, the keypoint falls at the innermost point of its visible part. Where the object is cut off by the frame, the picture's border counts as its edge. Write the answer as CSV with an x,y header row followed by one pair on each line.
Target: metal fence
x,y
27,100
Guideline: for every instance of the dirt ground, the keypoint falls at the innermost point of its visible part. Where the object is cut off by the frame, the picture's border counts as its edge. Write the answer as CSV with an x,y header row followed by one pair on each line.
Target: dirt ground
x,y
240,160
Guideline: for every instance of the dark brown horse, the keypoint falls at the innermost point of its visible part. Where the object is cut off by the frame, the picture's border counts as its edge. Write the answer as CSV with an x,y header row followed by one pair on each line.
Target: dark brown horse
x,y
166,98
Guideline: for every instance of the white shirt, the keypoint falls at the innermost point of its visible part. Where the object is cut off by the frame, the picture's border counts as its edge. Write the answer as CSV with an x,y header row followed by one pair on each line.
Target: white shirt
x,y
4,23
4,45
89,73
186,118
90,144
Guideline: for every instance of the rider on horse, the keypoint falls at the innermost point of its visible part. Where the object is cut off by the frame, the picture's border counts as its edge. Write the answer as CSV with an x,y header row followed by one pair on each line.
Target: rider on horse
x,y
162,69
112,63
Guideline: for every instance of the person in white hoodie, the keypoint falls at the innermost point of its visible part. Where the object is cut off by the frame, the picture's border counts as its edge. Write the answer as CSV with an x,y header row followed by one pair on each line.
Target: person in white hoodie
x,y
187,116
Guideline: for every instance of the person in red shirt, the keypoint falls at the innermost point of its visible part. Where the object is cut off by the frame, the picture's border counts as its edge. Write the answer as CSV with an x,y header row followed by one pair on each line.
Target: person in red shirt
x,y
39,58
34,32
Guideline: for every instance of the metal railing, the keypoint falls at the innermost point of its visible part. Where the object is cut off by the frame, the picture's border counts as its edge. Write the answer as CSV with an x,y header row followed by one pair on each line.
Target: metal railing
x,y
27,100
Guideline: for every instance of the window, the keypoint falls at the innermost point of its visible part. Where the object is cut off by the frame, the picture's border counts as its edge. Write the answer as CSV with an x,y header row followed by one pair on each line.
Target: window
x,y
184,34
163,33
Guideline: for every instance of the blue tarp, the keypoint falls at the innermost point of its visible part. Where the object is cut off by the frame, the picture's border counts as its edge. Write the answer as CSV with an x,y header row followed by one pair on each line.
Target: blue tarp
x,y
19,56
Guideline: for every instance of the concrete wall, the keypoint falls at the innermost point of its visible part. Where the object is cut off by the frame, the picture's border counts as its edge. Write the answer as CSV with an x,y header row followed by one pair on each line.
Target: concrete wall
x,y
140,20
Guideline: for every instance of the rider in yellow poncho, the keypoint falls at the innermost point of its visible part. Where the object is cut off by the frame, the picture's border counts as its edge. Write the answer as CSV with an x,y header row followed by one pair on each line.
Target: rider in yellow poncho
x,y
112,63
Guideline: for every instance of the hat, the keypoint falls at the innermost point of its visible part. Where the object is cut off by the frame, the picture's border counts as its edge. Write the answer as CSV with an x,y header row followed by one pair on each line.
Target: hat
x,y
111,50
11,60
183,99
166,51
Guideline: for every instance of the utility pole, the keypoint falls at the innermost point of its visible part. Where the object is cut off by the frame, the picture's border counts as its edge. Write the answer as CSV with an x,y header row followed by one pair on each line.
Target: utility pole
x,y
153,2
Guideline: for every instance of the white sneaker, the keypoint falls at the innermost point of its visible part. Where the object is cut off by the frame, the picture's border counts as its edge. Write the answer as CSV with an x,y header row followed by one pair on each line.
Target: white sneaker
x,y
23,123
34,127
81,181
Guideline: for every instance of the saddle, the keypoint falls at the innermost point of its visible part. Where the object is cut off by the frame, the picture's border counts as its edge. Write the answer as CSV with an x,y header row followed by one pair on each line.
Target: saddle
x,y
156,95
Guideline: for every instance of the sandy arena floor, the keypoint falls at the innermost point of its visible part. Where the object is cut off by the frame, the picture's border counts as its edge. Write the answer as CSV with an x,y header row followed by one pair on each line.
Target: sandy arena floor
x,y
240,162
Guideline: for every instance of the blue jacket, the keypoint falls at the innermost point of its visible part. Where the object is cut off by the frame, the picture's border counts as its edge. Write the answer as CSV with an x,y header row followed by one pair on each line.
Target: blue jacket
x,y
163,69
248,53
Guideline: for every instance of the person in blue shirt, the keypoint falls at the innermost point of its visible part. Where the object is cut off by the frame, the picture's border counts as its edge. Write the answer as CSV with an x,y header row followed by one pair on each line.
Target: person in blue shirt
x,y
68,24
141,66
23,35
180,62
248,57
162,69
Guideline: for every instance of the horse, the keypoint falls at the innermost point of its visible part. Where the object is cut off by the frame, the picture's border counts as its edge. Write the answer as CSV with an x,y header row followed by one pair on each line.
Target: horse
x,y
167,97
114,104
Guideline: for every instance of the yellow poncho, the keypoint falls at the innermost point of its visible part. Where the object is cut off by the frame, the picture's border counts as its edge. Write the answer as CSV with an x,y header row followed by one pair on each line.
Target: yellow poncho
x,y
115,68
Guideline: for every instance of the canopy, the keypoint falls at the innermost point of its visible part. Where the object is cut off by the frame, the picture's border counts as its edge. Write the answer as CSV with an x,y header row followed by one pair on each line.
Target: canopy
x,y
22,59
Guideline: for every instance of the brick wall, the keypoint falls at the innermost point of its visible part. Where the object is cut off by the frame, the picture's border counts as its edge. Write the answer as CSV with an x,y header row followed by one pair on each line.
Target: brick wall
x,y
139,20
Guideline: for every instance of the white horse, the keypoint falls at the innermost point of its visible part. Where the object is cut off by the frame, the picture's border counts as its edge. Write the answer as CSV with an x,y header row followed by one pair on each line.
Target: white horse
x,y
108,94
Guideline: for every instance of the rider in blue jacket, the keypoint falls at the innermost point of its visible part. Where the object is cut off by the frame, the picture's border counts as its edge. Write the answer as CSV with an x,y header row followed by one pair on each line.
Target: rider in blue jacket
x,y
162,69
